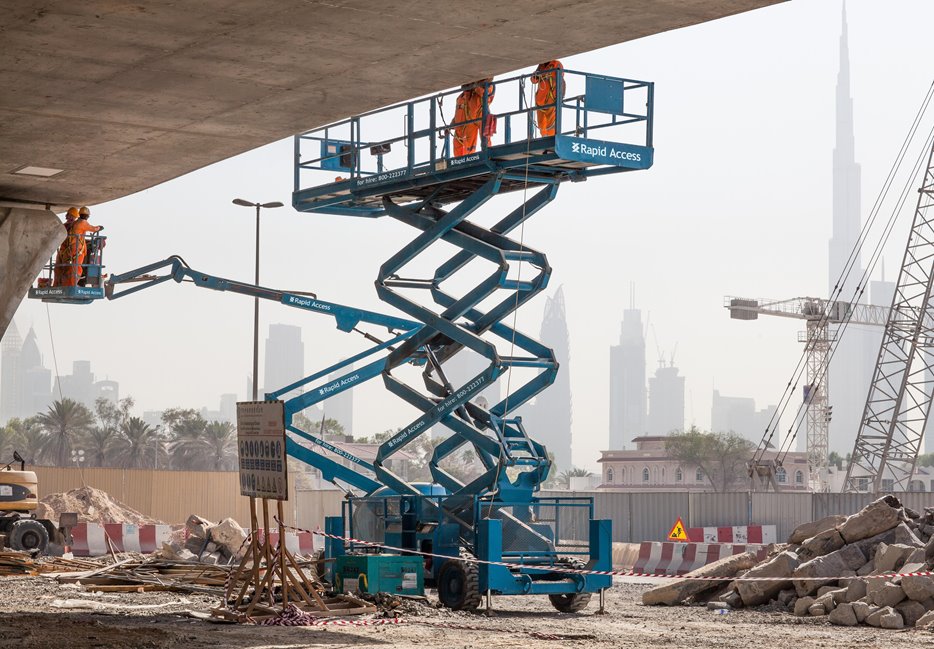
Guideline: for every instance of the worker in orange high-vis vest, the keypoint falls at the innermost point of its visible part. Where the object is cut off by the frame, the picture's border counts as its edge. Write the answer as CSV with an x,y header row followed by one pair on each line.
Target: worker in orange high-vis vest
x,y
79,230
469,114
65,259
546,78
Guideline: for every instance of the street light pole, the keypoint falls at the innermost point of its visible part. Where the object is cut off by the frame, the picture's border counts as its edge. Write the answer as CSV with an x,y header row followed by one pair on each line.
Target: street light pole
x,y
258,206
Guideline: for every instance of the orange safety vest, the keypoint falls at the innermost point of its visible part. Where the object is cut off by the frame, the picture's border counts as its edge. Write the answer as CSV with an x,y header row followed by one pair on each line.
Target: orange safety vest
x,y
546,78
470,109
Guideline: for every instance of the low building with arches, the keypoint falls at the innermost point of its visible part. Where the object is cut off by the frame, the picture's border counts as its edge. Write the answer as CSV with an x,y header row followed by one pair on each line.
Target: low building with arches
x,y
648,467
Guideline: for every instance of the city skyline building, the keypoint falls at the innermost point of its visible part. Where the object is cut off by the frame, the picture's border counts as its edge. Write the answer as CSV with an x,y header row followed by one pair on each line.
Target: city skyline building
x,y
628,397
25,382
284,357
10,386
549,419
854,358
340,406
666,400
739,415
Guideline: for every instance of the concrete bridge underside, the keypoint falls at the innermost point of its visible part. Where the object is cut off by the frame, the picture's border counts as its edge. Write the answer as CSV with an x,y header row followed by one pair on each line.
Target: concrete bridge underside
x,y
123,95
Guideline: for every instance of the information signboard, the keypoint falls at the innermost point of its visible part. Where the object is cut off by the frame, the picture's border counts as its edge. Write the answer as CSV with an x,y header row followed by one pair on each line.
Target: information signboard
x,y
261,449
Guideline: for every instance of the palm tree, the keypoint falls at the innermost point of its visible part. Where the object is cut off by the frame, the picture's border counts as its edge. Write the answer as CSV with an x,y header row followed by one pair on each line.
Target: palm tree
x,y
138,445
98,444
565,477
220,446
7,443
28,438
64,423
187,441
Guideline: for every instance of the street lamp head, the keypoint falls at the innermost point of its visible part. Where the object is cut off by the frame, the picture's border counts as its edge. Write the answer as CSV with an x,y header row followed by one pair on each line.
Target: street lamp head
x,y
243,203
272,204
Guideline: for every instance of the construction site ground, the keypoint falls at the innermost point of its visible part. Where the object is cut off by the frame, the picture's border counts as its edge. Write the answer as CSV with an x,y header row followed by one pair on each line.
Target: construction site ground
x,y
28,620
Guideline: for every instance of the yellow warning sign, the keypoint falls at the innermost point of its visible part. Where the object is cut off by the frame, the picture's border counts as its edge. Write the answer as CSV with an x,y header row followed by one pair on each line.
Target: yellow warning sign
x,y
678,532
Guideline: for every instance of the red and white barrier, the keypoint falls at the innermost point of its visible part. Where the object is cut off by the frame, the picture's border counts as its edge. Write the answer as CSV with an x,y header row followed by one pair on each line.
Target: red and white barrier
x,y
681,558
295,542
755,534
90,539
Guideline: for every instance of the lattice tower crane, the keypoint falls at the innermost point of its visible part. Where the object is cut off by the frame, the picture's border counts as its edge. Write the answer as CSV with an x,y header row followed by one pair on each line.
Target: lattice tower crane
x,y
900,395
822,319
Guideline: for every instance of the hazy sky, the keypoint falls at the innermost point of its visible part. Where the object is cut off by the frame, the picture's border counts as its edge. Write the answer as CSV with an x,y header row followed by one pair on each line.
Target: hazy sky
x,y
738,203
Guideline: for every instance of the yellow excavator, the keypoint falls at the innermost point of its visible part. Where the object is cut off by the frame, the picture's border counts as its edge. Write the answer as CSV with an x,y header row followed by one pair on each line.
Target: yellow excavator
x,y
19,498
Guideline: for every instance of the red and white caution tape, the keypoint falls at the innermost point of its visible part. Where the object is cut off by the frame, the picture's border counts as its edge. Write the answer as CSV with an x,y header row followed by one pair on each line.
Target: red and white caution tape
x,y
610,573
294,616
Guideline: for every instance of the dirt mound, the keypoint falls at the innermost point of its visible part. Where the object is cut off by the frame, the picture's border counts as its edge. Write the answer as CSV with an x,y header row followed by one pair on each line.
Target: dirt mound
x,y
92,506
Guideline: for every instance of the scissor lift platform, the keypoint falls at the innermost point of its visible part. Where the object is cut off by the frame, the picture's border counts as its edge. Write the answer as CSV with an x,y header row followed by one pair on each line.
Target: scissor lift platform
x,y
420,168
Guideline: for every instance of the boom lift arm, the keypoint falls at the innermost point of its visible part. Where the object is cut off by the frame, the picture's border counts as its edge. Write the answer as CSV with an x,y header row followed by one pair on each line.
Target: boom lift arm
x,y
348,319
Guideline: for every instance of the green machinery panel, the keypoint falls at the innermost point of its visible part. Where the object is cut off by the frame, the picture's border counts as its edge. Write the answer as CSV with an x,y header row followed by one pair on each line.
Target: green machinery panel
x,y
380,573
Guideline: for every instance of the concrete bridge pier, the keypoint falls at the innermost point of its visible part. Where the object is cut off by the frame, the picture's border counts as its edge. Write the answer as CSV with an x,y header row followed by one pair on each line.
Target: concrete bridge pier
x,y
28,237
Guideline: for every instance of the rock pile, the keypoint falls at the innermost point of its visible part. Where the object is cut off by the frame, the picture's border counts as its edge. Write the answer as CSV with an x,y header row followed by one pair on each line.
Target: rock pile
x,y
826,569
92,506
207,542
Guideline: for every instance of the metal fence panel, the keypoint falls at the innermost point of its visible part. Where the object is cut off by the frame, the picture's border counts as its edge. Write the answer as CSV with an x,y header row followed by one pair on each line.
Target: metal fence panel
x,y
653,514
828,504
718,510
784,511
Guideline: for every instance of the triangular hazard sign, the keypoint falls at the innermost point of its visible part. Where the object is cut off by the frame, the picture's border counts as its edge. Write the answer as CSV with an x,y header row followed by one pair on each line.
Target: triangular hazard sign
x,y
678,531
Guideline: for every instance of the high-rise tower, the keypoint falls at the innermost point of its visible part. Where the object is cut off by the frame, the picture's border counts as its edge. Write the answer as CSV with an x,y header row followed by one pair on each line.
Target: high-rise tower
x,y
285,356
851,368
549,419
627,380
11,384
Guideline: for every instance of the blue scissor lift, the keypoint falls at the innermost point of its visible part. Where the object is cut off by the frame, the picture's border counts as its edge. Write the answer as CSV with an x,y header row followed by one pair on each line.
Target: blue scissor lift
x,y
603,126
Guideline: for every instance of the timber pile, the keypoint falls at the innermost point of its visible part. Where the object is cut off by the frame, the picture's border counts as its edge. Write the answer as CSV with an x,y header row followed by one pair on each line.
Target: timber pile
x,y
22,563
826,569
133,575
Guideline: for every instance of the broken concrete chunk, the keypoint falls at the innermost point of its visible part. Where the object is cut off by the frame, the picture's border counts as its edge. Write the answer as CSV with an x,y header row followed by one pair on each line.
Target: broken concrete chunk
x,y
926,620
889,558
825,601
802,606
889,595
781,566
856,590
175,552
875,617
820,544
918,588
230,537
817,610
861,610
843,615
678,591
786,596
198,526
877,517
810,576
807,530
911,611
733,599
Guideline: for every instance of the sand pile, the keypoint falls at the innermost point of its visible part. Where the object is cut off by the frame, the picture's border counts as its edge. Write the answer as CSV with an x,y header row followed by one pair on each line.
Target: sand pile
x,y
92,506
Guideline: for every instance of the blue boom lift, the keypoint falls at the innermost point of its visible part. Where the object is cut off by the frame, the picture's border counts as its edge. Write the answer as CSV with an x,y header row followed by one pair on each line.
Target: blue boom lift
x,y
412,178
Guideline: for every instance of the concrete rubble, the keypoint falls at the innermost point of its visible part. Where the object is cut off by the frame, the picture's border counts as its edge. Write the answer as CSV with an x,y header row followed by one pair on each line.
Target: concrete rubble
x,y
828,568
208,542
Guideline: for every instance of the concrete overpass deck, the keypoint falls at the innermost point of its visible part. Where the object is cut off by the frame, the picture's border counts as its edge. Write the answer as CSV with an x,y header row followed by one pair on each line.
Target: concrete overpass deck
x,y
104,98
